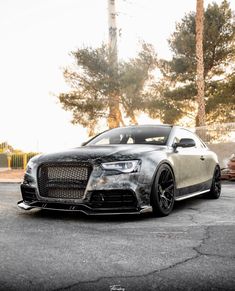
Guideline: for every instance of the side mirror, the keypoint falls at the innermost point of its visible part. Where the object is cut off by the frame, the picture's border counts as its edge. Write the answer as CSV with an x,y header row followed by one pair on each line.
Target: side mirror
x,y
185,143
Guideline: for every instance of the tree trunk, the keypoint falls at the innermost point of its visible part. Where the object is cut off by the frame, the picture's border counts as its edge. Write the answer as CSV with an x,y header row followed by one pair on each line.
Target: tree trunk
x,y
133,120
200,81
91,128
115,115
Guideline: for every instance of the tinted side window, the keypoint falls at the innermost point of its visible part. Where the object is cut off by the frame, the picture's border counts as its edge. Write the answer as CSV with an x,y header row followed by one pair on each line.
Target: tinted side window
x,y
179,135
184,133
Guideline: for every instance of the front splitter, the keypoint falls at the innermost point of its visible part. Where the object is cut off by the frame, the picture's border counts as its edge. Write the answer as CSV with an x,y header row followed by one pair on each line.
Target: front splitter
x,y
82,208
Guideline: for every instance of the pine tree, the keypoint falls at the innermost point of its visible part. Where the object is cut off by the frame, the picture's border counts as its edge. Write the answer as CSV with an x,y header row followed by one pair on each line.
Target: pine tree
x,y
178,85
96,84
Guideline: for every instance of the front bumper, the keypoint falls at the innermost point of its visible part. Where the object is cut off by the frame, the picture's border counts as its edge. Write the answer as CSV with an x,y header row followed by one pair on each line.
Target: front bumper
x,y
106,202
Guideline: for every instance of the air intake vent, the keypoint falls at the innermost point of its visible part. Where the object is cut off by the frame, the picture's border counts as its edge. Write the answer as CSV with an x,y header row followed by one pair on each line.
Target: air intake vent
x,y
113,199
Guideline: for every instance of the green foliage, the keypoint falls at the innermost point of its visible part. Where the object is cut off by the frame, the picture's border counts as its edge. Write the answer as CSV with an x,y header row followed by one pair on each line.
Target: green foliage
x,y
94,80
219,54
91,83
4,146
221,100
134,77
167,109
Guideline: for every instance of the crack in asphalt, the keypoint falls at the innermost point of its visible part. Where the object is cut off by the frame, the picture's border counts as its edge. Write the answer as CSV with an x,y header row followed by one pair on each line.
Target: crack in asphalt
x,y
199,253
192,219
127,277
206,237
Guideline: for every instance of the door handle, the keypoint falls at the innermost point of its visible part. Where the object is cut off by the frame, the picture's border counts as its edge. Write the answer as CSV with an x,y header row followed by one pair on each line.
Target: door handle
x,y
202,158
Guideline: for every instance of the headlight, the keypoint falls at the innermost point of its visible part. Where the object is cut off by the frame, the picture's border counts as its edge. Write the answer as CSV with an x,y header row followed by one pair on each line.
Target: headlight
x,y
122,166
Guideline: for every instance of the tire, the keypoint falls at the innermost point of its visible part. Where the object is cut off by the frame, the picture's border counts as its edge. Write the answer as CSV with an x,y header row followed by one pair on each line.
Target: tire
x,y
163,191
216,184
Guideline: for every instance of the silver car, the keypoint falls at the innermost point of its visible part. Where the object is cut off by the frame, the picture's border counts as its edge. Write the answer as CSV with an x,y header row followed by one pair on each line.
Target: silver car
x,y
130,170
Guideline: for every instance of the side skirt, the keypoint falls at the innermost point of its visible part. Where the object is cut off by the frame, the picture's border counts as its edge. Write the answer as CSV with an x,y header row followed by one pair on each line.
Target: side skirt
x,y
192,189
191,195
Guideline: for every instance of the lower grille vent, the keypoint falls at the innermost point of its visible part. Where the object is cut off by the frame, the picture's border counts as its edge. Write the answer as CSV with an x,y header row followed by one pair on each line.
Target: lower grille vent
x,y
28,193
66,193
113,199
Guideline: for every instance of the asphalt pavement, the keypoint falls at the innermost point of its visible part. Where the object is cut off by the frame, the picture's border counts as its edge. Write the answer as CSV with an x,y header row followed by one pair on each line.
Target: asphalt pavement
x,y
192,249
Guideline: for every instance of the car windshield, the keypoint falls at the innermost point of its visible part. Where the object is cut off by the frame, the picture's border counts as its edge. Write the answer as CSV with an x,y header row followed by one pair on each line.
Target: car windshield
x,y
157,135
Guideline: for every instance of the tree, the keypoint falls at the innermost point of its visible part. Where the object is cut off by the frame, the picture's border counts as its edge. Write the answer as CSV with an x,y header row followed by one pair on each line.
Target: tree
x,y
179,74
95,84
4,146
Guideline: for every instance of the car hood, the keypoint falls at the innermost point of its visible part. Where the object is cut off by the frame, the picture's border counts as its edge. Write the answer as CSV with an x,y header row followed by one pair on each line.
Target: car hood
x,y
99,154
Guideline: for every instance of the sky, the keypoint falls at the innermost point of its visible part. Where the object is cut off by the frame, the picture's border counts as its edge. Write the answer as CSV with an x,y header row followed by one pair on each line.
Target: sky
x,y
36,37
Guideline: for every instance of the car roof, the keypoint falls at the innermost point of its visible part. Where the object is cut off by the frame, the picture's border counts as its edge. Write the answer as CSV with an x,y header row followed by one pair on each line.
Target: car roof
x,y
146,125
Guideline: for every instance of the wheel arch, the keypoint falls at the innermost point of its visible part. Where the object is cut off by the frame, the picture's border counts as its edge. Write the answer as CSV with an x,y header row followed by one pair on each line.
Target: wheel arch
x,y
215,192
216,166
155,173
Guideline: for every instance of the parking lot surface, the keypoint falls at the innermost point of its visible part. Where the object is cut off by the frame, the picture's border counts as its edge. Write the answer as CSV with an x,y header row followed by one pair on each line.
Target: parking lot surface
x,y
192,249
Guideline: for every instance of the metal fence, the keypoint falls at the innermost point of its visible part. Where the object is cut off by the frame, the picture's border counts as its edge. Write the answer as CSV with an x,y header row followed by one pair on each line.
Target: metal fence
x,y
220,138
217,133
19,161
10,158
15,160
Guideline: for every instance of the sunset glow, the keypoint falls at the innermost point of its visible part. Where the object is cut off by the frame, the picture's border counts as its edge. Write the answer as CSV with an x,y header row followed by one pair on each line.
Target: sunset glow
x,y
36,39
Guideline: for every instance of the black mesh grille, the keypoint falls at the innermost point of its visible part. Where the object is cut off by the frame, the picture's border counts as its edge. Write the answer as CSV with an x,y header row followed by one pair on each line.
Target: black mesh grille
x,y
63,180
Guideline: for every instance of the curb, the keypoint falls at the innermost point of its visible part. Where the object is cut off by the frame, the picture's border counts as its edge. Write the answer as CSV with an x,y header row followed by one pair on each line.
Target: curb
x,y
18,181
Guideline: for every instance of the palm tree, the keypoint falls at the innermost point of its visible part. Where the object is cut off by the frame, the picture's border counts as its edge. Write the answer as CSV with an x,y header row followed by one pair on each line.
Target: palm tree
x,y
201,118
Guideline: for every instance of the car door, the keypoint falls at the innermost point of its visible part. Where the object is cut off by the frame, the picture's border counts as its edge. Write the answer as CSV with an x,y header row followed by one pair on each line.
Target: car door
x,y
209,160
190,164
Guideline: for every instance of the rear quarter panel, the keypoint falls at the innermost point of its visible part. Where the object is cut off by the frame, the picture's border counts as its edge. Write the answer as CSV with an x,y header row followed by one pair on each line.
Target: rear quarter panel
x,y
211,161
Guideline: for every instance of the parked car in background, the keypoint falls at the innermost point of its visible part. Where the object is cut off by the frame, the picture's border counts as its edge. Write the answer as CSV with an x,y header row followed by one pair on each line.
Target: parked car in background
x,y
130,170
229,172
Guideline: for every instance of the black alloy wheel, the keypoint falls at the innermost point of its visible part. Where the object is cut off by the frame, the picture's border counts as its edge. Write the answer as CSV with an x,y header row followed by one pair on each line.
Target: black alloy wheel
x,y
216,184
163,191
